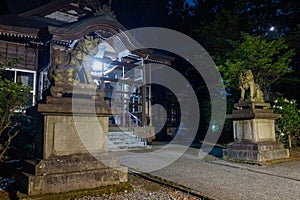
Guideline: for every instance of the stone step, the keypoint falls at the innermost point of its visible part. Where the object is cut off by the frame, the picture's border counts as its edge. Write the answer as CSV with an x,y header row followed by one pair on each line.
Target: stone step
x,y
136,142
124,137
124,140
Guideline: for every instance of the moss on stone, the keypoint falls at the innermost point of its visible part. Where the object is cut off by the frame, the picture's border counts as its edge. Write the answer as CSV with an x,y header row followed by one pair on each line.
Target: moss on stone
x,y
80,193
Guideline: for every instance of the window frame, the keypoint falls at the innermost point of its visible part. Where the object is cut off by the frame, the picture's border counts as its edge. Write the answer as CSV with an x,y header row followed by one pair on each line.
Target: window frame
x,y
33,91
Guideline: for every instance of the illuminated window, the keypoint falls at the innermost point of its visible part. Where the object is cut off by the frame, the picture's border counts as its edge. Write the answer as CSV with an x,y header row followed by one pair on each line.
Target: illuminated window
x,y
26,77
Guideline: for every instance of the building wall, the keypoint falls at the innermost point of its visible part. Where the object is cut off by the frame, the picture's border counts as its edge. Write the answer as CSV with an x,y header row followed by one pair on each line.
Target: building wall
x,y
27,57
24,69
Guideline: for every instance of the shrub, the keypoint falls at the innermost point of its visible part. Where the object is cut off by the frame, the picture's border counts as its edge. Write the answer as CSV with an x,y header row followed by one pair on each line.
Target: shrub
x,y
13,98
289,123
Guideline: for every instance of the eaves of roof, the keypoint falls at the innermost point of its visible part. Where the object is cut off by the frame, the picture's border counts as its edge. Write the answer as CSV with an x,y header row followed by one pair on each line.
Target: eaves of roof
x,y
20,25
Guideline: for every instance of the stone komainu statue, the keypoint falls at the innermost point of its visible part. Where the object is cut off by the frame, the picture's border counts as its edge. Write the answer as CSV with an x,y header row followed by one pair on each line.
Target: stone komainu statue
x,y
246,81
73,66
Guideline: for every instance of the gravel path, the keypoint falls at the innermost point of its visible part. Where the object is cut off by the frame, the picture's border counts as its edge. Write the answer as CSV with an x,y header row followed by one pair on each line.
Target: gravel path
x,y
144,190
219,179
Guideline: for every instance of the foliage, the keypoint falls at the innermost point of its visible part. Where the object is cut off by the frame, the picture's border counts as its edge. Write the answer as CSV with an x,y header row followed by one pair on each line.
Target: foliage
x,y
291,82
289,123
216,36
14,97
268,60
22,146
224,20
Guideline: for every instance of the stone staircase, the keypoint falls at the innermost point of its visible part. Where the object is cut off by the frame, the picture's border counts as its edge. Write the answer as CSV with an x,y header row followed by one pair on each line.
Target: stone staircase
x,y
118,140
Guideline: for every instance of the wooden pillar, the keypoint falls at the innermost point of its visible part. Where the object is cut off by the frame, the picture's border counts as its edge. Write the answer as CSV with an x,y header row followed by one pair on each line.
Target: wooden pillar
x,y
144,119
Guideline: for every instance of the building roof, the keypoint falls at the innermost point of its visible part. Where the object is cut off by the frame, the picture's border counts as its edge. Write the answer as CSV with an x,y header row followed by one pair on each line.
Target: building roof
x,y
69,20
22,29
32,19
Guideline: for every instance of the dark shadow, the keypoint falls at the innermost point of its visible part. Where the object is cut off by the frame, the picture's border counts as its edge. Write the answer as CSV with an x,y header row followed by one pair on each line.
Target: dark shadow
x,y
216,151
7,172
12,191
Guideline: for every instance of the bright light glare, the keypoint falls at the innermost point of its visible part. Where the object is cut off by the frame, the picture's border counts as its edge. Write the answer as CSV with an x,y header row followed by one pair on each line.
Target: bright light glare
x,y
272,28
97,66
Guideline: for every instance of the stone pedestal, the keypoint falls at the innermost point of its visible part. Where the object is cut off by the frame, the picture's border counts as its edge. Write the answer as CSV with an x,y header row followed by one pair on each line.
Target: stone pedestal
x,y
254,134
146,133
71,149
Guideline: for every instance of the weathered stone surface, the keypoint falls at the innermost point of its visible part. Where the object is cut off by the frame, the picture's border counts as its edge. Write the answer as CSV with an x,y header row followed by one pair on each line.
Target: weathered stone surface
x,y
67,181
85,102
145,132
66,164
261,146
247,103
69,108
78,89
69,135
254,130
253,113
71,149
255,152
254,134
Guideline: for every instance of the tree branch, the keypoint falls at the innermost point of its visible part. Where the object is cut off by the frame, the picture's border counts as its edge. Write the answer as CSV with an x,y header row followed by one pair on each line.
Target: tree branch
x,y
7,144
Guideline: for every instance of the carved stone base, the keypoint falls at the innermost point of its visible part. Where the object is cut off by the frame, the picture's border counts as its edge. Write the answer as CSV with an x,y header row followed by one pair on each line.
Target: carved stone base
x,y
77,90
252,104
67,173
255,152
71,148
254,134
254,130
147,133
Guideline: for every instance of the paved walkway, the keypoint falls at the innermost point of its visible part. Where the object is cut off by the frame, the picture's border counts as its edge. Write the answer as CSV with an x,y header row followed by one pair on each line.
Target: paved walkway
x,y
219,179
